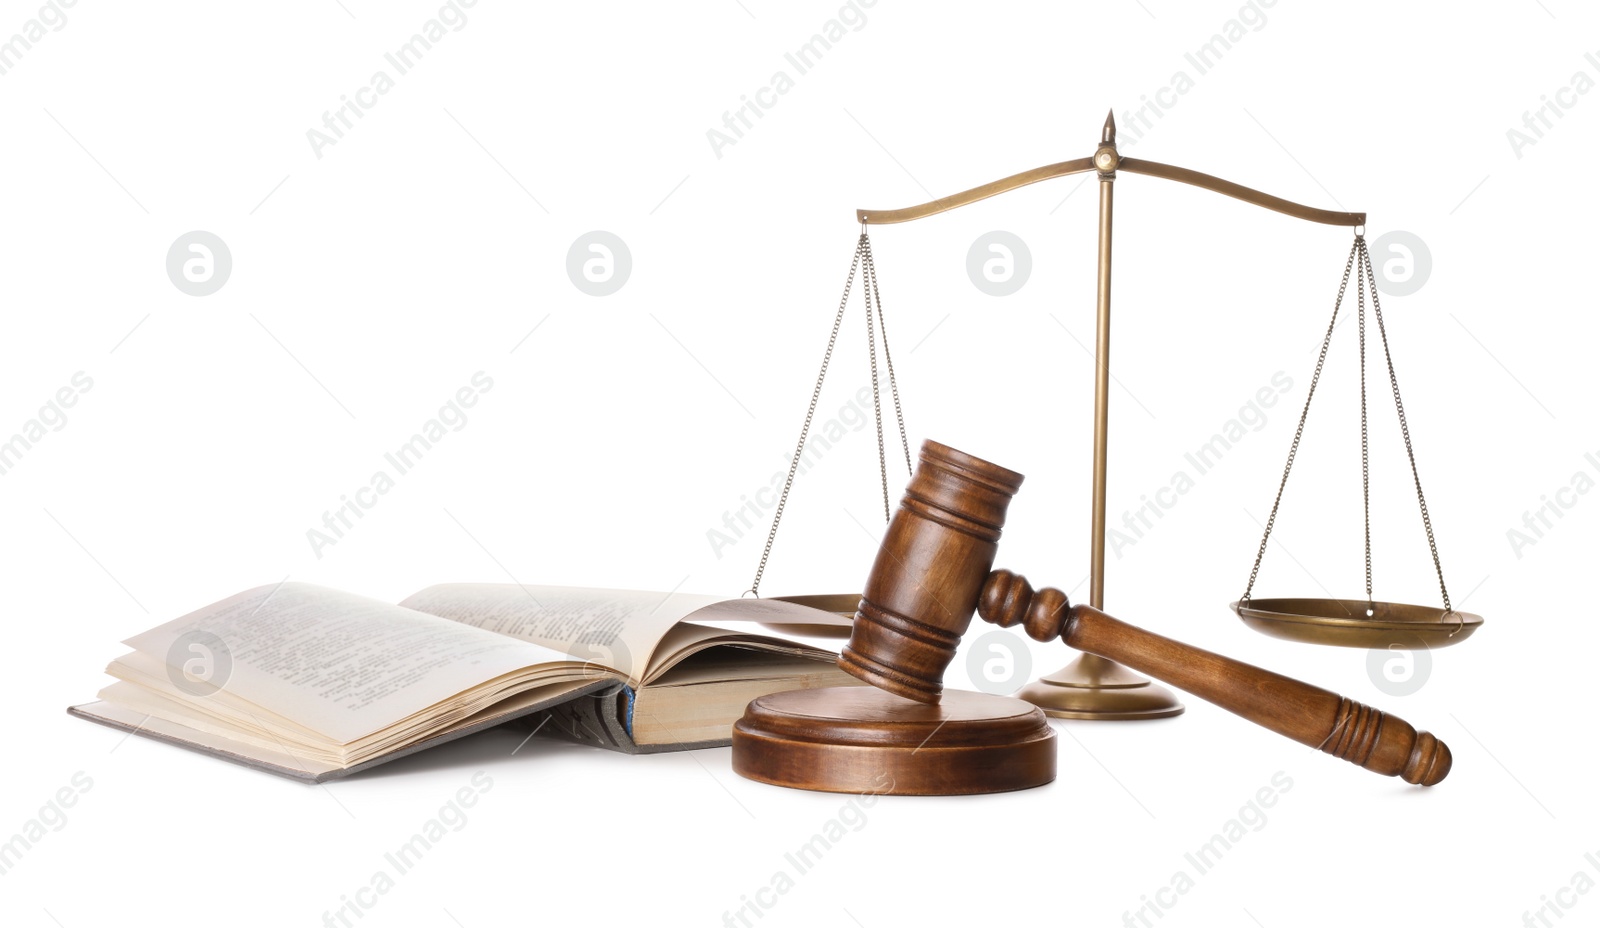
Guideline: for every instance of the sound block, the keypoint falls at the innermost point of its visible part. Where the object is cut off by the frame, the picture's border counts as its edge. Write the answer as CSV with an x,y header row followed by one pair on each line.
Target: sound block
x,y
860,739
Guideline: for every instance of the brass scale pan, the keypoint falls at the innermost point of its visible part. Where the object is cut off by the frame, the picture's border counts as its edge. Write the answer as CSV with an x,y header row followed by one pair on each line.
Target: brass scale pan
x,y
1345,622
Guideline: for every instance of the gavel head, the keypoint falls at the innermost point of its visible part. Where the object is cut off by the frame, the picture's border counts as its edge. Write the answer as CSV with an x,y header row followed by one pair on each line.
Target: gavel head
x,y
930,570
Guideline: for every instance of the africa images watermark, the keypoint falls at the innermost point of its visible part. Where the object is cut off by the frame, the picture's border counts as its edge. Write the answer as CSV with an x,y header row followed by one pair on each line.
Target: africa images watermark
x,y
851,817
757,504
1552,108
51,817
1153,506
50,18
51,417
352,107
1553,507
451,417
451,817
1566,898
1251,817
199,263
1133,124
741,119
998,662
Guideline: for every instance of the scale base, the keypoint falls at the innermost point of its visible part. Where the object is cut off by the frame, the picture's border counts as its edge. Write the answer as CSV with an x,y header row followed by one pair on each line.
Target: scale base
x,y
860,739
1096,689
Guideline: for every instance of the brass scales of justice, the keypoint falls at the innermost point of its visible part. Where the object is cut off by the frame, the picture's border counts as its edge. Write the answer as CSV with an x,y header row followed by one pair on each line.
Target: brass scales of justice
x,y
1094,687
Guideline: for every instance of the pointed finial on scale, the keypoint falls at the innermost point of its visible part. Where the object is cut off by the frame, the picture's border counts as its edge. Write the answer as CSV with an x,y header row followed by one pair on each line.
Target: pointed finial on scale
x,y
1106,157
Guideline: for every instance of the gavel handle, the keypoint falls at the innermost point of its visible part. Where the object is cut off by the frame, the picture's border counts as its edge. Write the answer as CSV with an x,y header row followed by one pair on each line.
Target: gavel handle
x,y
1308,714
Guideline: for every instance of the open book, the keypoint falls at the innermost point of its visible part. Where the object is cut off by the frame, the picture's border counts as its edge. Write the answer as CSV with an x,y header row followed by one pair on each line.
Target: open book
x,y
314,683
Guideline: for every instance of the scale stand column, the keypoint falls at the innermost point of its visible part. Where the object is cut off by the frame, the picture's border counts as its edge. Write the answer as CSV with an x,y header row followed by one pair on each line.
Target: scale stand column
x,y
1093,687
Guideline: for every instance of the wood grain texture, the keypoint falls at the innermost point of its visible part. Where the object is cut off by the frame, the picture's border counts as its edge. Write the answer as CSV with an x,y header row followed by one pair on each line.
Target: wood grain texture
x,y
1315,717
859,739
905,734
932,561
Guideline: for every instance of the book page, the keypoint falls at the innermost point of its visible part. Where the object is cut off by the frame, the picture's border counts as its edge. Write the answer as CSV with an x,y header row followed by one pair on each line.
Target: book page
x,y
619,629
343,665
773,613
688,638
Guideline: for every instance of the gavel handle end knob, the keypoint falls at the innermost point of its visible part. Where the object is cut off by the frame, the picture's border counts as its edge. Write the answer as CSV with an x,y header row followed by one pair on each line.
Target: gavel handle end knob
x,y
1386,744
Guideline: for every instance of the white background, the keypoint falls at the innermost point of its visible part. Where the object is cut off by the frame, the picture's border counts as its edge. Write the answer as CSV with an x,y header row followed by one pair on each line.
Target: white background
x,y
370,283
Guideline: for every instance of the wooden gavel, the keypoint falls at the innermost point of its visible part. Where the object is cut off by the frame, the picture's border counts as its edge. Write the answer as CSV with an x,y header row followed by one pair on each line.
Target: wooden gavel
x,y
933,570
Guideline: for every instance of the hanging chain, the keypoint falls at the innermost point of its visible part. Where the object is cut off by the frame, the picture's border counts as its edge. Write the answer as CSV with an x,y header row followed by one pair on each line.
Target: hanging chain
x,y
1366,280
805,428
869,287
1294,447
872,356
1405,430
1366,496
871,276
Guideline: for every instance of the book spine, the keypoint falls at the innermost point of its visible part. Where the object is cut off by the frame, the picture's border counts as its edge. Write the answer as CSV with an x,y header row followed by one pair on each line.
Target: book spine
x,y
600,719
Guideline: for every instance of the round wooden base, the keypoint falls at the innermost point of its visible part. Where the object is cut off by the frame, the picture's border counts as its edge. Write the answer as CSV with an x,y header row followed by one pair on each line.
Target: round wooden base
x,y
860,739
